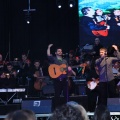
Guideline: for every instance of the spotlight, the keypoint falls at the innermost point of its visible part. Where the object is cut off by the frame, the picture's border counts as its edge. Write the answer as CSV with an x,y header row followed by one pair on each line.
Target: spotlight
x,y
28,17
71,3
59,3
28,13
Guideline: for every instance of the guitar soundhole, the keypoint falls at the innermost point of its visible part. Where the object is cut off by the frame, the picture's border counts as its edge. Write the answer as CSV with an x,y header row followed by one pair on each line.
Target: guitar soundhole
x,y
54,71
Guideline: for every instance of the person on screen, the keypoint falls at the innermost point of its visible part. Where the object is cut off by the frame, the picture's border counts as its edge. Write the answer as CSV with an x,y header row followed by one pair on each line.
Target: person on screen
x,y
115,21
89,24
100,18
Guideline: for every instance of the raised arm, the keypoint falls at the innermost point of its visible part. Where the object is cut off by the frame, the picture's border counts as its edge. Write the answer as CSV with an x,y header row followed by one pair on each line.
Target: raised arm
x,y
117,50
48,50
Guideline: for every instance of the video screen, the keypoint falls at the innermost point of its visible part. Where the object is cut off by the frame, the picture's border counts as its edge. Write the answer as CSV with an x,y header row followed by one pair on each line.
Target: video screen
x,y
99,19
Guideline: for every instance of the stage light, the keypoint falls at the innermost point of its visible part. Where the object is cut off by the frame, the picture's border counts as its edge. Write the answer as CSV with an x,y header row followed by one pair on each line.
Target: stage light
x,y
71,3
28,17
28,13
59,3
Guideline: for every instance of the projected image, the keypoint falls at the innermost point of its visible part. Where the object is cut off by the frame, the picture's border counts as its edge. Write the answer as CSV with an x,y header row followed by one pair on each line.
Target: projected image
x,y
99,19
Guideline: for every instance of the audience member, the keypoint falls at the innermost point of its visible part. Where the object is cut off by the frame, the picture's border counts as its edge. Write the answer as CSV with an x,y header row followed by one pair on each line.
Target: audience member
x,y
69,111
21,115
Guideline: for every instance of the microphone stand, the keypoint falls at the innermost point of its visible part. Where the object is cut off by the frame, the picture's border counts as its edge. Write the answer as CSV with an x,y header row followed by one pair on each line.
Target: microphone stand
x,y
106,75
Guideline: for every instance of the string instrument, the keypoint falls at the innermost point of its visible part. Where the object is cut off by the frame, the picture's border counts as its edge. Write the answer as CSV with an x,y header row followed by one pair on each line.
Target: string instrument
x,y
92,84
56,71
83,65
38,84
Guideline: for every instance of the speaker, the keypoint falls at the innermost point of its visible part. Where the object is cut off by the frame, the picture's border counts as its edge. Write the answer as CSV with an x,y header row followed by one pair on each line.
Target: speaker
x,y
38,106
80,86
113,104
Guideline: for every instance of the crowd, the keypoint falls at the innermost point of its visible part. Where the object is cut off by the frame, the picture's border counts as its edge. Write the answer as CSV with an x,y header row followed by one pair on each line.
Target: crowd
x,y
69,111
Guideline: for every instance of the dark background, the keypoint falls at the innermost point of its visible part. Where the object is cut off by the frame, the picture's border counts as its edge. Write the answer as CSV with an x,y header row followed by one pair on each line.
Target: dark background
x,y
48,25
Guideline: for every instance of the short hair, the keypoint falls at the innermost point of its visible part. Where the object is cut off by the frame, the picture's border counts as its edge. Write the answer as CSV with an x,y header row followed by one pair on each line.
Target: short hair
x,y
9,64
58,48
97,38
67,112
21,115
37,61
85,10
101,113
103,49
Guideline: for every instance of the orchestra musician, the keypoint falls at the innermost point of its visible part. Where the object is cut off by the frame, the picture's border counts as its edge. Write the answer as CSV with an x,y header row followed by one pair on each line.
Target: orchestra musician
x,y
25,65
8,77
36,83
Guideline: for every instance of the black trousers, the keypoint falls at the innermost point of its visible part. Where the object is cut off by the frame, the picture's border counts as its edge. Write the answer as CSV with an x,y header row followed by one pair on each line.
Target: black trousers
x,y
106,90
60,86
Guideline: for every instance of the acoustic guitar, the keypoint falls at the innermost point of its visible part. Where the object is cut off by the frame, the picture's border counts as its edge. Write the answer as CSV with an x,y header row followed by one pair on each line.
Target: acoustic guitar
x,y
92,84
56,71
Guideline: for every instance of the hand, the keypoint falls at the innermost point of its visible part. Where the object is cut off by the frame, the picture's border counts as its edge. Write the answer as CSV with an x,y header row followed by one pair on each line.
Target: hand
x,y
115,47
50,45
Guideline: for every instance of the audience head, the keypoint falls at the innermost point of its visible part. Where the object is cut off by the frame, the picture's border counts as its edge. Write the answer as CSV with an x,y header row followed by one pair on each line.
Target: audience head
x,y
70,111
102,113
21,115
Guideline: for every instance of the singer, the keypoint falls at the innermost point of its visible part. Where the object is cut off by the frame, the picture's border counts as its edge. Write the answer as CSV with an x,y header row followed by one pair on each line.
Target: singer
x,y
60,83
106,86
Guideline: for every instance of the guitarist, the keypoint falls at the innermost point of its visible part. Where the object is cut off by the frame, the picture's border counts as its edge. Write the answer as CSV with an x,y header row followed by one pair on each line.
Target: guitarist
x,y
92,75
60,83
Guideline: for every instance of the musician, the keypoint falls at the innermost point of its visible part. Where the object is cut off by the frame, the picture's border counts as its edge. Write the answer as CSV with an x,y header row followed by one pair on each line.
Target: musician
x,y
60,83
89,24
96,47
8,78
106,78
91,76
2,63
36,82
25,65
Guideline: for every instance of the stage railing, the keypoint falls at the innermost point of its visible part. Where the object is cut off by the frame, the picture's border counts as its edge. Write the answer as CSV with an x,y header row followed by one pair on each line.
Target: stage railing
x,y
114,115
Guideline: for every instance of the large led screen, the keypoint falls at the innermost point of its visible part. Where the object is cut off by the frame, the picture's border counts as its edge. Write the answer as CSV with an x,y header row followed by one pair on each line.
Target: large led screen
x,y
99,18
